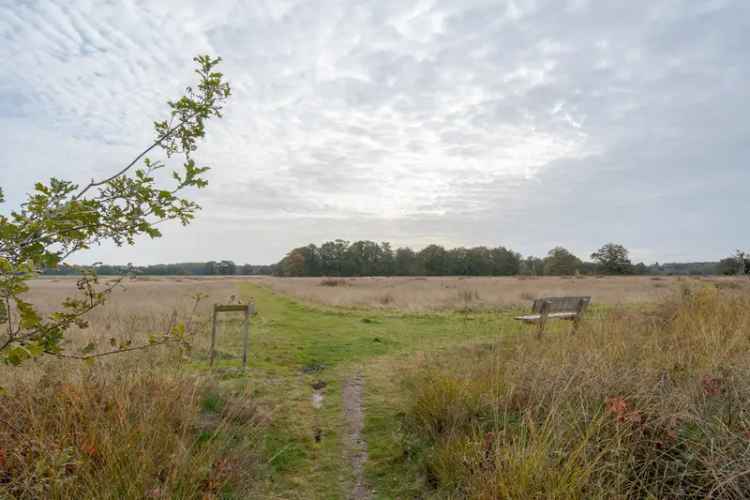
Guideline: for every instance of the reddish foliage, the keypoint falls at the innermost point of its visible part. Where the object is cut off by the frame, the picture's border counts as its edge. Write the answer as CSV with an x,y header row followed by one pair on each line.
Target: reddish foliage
x,y
622,411
89,449
712,386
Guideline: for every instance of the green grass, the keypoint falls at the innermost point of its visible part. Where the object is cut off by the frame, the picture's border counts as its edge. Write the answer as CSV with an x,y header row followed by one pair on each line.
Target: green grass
x,y
294,345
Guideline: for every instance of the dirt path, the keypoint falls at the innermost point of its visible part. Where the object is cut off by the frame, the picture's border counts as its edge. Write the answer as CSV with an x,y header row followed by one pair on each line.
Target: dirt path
x,y
356,445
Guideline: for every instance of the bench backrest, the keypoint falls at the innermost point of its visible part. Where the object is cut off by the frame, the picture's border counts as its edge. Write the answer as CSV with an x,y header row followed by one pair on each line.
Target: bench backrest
x,y
560,304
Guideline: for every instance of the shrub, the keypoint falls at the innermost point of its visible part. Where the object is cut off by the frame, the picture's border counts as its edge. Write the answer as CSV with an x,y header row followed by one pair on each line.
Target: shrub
x,y
386,299
468,296
334,282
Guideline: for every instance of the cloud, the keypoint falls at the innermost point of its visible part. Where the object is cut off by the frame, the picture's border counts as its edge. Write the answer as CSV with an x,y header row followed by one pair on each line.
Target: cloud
x,y
526,123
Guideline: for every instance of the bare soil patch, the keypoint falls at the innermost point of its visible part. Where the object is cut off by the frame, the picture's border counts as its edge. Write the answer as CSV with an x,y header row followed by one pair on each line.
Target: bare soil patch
x,y
355,443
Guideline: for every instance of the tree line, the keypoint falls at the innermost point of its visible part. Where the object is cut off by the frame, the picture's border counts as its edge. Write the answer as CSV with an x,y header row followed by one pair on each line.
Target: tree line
x,y
369,258
210,268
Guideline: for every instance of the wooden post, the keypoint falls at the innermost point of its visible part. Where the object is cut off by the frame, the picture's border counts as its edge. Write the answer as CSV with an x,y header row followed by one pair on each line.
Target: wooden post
x,y
543,313
248,309
213,337
246,331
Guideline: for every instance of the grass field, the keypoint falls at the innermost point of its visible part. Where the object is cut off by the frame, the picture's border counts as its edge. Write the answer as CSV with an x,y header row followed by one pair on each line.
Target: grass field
x,y
444,400
420,294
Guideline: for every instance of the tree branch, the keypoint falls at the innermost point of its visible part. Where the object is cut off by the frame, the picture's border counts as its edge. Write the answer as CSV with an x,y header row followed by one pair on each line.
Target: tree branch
x,y
130,165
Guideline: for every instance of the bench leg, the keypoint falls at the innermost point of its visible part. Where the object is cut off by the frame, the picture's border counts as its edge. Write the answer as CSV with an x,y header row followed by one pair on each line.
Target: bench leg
x,y
580,308
543,319
574,328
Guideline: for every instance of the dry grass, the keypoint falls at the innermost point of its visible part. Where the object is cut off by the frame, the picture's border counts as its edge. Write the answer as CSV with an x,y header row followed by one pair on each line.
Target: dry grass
x,y
138,425
139,307
638,405
454,293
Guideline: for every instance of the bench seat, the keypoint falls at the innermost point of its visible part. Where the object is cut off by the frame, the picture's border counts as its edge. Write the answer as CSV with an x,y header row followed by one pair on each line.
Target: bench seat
x,y
533,318
566,308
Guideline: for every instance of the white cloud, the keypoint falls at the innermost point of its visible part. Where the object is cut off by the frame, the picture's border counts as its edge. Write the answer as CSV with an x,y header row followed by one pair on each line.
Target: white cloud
x,y
381,119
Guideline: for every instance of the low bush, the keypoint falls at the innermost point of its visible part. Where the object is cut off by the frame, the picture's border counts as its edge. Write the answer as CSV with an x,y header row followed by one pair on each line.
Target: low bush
x,y
637,405
334,282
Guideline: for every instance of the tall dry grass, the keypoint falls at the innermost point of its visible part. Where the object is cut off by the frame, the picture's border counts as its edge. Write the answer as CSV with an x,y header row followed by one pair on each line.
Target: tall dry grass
x,y
137,425
636,405
420,294
134,433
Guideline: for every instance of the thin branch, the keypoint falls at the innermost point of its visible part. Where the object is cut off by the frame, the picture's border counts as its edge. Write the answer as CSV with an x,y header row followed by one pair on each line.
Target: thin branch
x,y
136,159
108,353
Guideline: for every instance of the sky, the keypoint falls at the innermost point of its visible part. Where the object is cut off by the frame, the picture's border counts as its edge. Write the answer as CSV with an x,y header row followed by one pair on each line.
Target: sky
x,y
528,124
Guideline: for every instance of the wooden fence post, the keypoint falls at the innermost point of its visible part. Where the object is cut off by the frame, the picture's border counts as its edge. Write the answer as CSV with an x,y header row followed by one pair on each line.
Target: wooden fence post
x,y
246,332
213,338
248,310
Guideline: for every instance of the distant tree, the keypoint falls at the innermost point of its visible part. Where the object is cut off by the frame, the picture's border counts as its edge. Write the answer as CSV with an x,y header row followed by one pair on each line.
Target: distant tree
x,y
738,264
479,262
532,266
433,260
589,268
312,263
613,259
456,262
332,256
640,269
293,264
386,263
363,257
741,263
505,262
560,261
405,262
212,268
227,268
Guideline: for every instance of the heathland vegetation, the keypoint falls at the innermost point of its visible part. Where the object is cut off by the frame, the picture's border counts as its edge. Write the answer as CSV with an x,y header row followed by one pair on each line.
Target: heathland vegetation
x,y
447,399
646,400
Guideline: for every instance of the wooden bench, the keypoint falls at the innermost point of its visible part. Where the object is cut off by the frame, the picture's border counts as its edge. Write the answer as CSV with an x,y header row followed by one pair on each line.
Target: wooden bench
x,y
568,308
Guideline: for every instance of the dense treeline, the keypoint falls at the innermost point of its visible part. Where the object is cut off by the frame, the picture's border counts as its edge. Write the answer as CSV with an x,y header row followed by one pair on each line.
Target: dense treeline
x,y
368,258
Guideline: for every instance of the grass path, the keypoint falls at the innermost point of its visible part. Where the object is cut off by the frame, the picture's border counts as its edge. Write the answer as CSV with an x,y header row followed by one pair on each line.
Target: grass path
x,y
328,380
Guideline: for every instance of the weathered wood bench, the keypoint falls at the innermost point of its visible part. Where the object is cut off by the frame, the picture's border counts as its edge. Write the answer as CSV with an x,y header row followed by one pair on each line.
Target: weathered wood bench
x,y
568,308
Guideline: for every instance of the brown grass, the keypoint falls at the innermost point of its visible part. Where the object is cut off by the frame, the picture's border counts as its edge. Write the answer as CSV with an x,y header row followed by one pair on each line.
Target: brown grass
x,y
637,405
453,293
138,425
138,307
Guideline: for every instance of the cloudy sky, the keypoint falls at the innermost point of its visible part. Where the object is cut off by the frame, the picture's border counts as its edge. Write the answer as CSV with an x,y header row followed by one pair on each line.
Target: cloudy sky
x,y
460,122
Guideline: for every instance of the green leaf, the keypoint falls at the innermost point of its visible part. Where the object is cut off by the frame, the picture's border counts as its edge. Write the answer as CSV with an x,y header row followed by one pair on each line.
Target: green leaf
x,y
29,317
